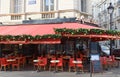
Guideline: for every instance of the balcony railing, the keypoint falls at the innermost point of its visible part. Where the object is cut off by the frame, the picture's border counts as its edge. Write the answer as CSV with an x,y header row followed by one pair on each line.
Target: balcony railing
x,y
15,17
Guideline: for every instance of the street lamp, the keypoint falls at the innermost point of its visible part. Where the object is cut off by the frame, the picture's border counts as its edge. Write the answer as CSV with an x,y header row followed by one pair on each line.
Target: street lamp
x,y
110,11
116,40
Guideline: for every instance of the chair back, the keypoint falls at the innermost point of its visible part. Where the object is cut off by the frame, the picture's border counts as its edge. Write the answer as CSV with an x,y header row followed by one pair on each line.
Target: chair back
x,y
0,61
3,61
17,61
45,61
113,58
40,57
79,59
61,62
71,62
54,58
103,60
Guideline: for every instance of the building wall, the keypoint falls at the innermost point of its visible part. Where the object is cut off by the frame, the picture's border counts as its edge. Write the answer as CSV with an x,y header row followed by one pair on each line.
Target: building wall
x,y
62,8
102,16
4,7
65,4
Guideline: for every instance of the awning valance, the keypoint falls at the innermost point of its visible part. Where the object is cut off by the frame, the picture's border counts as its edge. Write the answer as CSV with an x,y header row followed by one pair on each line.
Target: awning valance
x,y
46,41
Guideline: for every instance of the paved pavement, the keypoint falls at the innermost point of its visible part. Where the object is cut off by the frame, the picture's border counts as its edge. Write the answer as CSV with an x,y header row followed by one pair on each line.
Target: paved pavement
x,y
111,73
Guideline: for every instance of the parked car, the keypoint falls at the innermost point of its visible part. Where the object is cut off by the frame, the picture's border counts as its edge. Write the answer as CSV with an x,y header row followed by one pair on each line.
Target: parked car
x,y
104,50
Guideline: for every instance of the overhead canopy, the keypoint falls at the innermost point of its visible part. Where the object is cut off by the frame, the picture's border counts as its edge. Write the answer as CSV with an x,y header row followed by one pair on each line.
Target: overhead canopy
x,y
44,29
39,29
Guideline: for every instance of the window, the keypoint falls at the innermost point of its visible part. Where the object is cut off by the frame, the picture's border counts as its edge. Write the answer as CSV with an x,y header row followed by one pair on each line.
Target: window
x,y
48,15
16,6
119,42
51,5
113,42
119,11
48,5
118,2
30,2
83,5
15,17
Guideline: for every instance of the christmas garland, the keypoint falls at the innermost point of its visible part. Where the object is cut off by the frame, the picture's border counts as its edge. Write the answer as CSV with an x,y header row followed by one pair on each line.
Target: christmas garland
x,y
58,35
29,37
86,31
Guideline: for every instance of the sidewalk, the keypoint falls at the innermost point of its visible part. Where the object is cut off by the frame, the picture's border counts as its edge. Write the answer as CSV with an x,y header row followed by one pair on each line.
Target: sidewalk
x,y
111,73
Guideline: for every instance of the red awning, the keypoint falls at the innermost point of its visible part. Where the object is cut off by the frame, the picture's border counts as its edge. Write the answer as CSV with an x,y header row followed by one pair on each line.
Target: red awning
x,y
40,29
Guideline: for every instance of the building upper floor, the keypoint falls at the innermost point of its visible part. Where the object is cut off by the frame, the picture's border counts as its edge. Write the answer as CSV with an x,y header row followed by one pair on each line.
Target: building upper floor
x,y
18,10
103,17
22,6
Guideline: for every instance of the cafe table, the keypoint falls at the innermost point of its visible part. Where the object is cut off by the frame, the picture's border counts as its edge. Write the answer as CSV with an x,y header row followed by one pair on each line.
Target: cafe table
x,y
11,60
36,60
77,62
55,61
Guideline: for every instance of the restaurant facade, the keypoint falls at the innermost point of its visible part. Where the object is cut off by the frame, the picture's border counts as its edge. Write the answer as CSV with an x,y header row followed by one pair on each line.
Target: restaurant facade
x,y
60,40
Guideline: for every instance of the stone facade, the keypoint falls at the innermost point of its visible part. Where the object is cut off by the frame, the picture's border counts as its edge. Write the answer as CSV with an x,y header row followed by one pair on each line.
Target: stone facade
x,y
15,11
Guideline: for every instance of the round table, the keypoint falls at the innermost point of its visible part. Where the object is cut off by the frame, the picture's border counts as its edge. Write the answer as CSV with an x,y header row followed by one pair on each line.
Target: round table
x,y
35,60
55,61
77,62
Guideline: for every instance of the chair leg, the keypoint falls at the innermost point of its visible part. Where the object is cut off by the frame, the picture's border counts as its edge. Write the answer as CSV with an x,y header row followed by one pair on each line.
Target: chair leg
x,y
69,69
18,68
34,67
62,68
38,67
4,68
12,67
8,66
82,70
57,68
50,68
1,68
76,68
44,67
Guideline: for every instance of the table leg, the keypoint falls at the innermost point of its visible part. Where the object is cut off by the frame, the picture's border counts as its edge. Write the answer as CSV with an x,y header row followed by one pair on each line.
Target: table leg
x,y
77,72
118,63
38,69
55,70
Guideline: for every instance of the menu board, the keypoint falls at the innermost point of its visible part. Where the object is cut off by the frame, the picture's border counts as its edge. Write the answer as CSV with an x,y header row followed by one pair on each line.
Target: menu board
x,y
96,64
95,57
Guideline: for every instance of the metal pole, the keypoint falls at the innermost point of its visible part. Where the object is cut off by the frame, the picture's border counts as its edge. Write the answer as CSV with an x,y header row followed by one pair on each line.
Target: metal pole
x,y
111,29
90,58
116,44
